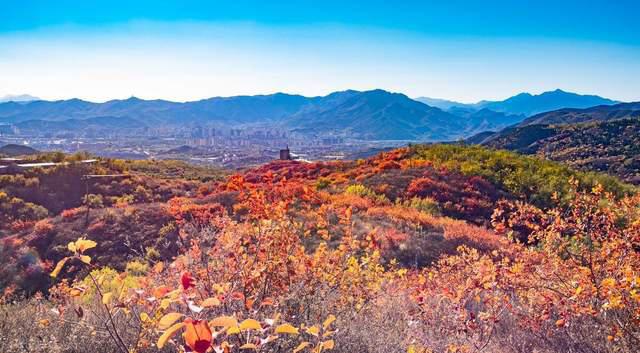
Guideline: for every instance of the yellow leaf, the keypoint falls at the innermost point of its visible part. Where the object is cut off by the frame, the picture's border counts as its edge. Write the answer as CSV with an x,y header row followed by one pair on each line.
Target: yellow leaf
x,y
615,301
328,344
250,324
313,330
83,244
144,317
71,246
58,268
608,282
288,329
223,321
169,333
174,294
210,302
233,330
168,320
76,292
106,299
164,304
86,259
301,346
249,346
44,322
328,321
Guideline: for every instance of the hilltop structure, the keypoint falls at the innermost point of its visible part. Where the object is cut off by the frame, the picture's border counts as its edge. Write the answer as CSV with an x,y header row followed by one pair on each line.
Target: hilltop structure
x,y
285,154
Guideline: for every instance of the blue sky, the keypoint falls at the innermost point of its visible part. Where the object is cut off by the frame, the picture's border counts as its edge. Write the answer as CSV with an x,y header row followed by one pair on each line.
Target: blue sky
x,y
185,50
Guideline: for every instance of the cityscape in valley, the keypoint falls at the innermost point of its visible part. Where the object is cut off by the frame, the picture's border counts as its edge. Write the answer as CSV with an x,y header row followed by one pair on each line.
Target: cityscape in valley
x,y
319,176
250,130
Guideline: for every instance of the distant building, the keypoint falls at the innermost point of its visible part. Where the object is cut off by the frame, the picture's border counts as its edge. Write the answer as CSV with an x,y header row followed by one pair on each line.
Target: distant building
x,y
285,154
8,129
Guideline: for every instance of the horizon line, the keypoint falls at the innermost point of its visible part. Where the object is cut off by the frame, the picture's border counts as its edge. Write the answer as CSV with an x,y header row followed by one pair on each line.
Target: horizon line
x,y
416,98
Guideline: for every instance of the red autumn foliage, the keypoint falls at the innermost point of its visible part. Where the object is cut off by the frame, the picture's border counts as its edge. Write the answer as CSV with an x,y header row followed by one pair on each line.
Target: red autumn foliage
x,y
187,281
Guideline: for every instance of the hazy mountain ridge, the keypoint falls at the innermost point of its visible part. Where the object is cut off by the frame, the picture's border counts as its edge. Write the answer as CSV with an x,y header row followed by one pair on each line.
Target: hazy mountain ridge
x,y
374,115
99,123
443,104
525,103
528,104
597,113
18,98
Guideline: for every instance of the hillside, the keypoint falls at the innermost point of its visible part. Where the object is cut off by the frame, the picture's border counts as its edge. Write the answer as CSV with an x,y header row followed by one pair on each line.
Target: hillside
x,y
463,183
12,150
100,125
598,113
317,252
606,146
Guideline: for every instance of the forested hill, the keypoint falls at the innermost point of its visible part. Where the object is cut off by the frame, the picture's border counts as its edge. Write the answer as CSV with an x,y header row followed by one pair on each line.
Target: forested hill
x,y
612,147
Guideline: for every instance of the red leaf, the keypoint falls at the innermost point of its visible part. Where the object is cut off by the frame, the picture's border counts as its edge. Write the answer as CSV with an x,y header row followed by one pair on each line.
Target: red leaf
x,y
187,281
198,335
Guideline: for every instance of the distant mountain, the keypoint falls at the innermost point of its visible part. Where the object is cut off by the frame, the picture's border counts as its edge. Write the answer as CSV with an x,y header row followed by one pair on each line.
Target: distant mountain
x,y
376,114
528,104
524,104
381,115
240,109
443,104
486,119
480,137
12,150
598,113
18,98
103,123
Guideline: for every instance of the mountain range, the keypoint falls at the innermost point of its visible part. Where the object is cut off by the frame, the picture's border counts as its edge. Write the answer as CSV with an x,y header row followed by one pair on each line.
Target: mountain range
x,y
525,103
18,98
372,115
597,113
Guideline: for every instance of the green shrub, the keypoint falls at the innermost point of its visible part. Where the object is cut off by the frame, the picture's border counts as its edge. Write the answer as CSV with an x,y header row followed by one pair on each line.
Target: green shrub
x,y
426,205
534,179
363,191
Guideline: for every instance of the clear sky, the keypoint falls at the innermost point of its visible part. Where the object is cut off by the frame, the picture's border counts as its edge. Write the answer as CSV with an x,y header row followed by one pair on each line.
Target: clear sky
x,y
187,50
